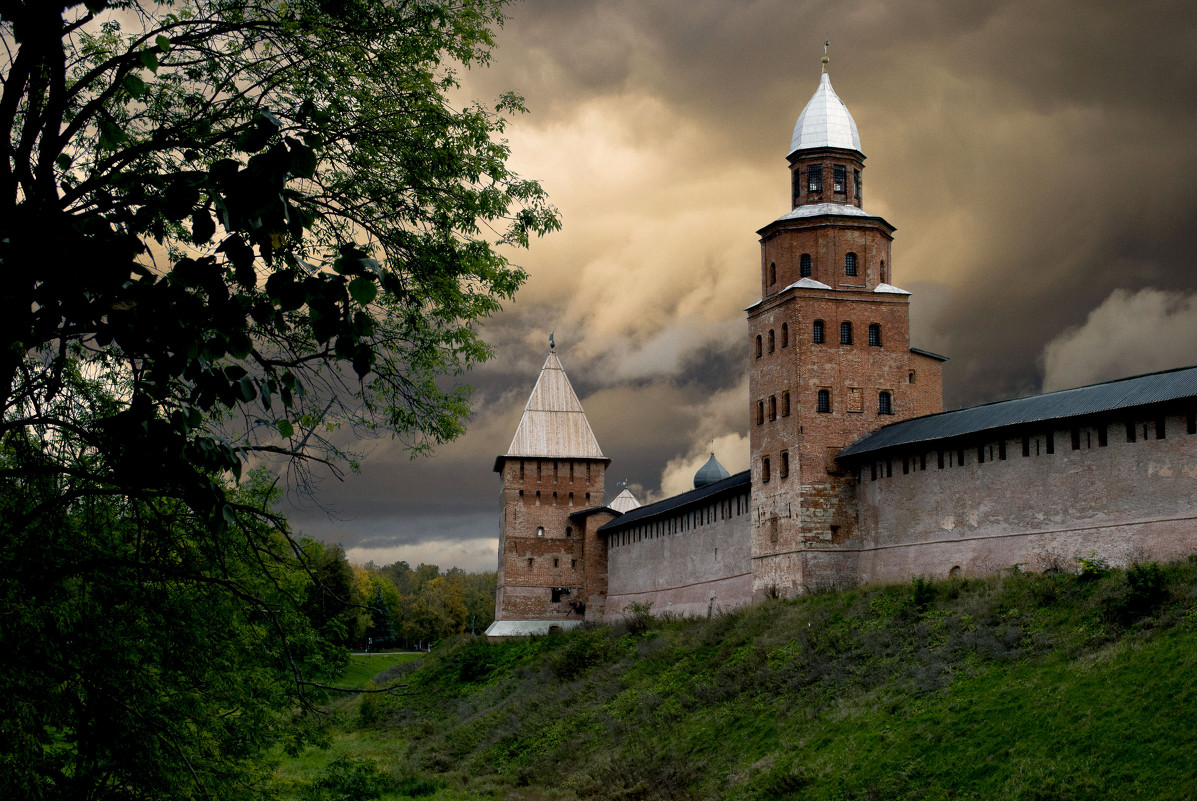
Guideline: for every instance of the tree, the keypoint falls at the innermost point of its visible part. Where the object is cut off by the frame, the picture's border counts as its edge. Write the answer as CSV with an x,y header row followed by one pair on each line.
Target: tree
x,y
231,230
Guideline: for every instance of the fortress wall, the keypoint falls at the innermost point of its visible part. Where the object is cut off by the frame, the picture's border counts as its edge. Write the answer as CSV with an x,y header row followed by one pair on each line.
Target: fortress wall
x,y
690,563
1121,501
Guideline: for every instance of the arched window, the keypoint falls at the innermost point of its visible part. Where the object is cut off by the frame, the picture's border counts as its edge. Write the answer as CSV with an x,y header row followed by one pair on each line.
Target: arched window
x,y
875,335
885,403
760,413
883,276
540,531
758,346
785,334
824,402
804,265
784,468
817,333
765,469
849,264
785,404
772,407
772,273
845,333
771,340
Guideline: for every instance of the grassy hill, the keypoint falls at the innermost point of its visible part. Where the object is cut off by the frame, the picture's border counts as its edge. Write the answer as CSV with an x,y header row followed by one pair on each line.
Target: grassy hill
x,y
1027,686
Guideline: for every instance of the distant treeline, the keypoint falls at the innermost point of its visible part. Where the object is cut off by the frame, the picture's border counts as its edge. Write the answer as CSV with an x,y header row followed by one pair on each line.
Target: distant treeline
x,y
394,605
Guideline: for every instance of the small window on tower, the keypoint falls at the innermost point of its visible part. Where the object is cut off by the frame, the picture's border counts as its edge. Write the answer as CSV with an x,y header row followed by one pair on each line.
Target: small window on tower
x,y
804,265
785,334
759,347
824,401
856,183
765,469
569,531
885,403
555,562
772,273
784,467
529,561
772,341
785,405
772,407
540,531
814,179
875,336
839,178
845,333
760,413
817,335
884,276
849,264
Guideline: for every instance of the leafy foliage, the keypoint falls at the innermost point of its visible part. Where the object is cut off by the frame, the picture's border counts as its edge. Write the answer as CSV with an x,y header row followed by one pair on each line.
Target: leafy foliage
x,y
232,231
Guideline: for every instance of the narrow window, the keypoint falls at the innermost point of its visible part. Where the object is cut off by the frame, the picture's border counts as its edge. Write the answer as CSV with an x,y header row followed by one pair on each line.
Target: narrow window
x,y
845,333
980,454
571,499
772,407
573,564
939,459
785,463
1026,445
588,497
1102,438
824,401
1076,438
960,457
814,179
875,336
796,185
521,493
556,593
885,403
772,273
540,531
556,562
765,469
849,264
772,341
1001,450
521,469
1051,441
538,471
905,465
785,405
529,561
856,183
1192,423
883,271
569,532
785,334
889,468
804,267
538,497
817,333
759,346
911,377
839,179
1159,428
873,470
922,461
760,413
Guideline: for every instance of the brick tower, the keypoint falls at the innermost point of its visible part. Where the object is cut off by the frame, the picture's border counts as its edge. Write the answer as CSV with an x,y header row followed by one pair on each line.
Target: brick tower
x,y
829,356
553,468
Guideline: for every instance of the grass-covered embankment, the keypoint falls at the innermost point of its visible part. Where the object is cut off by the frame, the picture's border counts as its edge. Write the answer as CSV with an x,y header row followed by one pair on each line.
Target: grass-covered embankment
x,y
1024,686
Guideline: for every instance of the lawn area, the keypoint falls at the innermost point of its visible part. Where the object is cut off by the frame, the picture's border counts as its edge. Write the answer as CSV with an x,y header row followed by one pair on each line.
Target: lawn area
x,y
363,667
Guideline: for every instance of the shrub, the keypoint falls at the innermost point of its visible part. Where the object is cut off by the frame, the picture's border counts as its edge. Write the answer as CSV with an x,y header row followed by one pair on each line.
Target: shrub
x,y
348,779
638,617
1144,591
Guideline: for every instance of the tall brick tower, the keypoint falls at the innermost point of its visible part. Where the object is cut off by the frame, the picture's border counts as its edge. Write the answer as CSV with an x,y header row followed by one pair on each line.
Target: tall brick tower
x,y
553,468
829,356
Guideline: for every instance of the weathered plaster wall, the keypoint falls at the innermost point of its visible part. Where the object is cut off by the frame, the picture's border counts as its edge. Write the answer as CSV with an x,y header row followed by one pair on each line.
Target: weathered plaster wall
x,y
692,563
1120,501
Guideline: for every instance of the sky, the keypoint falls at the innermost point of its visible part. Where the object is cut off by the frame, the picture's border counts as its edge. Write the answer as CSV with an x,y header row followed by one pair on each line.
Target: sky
x,y
1038,159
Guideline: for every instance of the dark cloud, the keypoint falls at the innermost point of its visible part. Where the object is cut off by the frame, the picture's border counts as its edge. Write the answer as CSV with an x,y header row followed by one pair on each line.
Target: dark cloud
x,y
1036,157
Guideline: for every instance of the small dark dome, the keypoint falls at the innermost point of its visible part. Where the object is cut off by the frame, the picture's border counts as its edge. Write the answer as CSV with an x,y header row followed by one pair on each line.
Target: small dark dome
x,y
710,472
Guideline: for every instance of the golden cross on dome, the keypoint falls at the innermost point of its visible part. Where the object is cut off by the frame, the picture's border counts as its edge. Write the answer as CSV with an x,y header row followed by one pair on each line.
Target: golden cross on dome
x,y
826,43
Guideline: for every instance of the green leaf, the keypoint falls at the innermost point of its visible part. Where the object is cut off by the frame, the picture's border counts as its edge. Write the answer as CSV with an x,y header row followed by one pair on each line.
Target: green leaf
x,y
149,60
163,43
133,84
285,428
363,289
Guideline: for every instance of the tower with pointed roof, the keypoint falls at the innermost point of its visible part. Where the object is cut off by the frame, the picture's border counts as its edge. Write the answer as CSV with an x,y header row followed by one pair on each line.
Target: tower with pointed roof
x,y
829,355
553,468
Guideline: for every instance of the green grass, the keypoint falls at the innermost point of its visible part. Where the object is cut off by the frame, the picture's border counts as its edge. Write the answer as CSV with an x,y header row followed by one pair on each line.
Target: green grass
x,y
363,668
1024,686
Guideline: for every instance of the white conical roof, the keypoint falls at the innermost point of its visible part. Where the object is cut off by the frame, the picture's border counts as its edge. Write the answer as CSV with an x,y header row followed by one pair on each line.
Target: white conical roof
x,y
624,502
554,425
825,122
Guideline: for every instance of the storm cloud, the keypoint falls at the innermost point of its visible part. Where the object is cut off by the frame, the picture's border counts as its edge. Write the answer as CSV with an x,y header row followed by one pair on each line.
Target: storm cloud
x,y
1036,157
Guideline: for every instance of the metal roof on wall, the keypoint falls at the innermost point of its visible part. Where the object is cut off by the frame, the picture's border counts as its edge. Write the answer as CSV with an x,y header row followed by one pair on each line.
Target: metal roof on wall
x,y
671,505
1111,396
